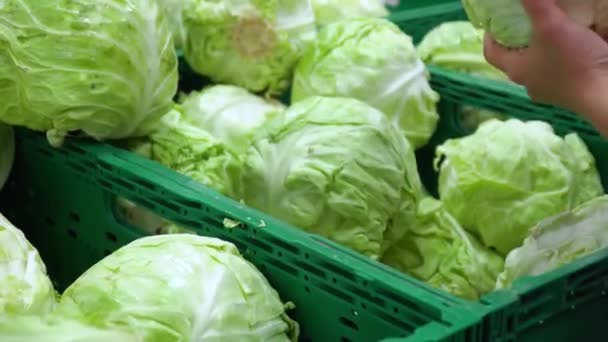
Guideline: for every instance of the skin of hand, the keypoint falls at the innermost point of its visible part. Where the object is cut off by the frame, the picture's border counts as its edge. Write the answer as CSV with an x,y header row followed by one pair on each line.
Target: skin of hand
x,y
565,64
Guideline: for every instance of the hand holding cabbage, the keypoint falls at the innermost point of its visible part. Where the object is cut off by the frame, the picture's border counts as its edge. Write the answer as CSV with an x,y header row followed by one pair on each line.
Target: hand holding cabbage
x,y
564,62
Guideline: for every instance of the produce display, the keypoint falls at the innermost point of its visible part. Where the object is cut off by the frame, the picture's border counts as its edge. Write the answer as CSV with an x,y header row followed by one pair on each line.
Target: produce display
x,y
312,112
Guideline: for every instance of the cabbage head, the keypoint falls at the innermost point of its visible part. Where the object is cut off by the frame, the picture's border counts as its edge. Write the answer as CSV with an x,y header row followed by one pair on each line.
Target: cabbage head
x,y
254,44
7,152
457,46
510,25
25,287
179,287
104,67
329,11
439,251
173,11
231,114
338,168
190,150
373,61
56,329
507,176
558,240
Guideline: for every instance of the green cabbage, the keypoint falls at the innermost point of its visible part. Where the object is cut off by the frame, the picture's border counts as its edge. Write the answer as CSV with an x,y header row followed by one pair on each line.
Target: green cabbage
x,y
179,288
249,43
509,175
373,61
104,67
329,11
173,11
7,152
510,25
338,168
458,46
192,151
439,251
559,240
25,287
231,114
56,329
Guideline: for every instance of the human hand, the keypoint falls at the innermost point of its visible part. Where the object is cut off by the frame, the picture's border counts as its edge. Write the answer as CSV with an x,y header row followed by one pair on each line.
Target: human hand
x,y
566,63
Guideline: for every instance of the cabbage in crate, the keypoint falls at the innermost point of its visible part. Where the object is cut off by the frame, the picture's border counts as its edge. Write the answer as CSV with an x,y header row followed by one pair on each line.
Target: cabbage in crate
x,y
249,43
373,61
338,168
186,148
329,11
510,25
179,288
231,114
104,67
439,251
25,287
559,240
458,46
507,176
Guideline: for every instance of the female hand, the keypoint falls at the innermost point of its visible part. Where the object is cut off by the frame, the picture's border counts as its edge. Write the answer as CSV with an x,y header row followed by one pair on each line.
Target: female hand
x,y
566,64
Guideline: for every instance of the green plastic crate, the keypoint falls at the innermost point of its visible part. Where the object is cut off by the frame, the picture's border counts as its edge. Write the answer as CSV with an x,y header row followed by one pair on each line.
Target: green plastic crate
x,y
562,305
559,306
406,5
64,200
419,20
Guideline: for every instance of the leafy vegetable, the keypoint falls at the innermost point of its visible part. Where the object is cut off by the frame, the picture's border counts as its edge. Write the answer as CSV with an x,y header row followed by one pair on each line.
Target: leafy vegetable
x,y
458,46
179,288
338,168
231,114
559,240
173,11
329,11
510,25
104,67
7,152
373,61
56,329
25,287
509,175
249,43
439,251
192,151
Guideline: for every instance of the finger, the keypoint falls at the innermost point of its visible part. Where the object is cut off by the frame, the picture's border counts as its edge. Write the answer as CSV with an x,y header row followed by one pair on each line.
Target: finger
x,y
511,62
546,16
495,54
